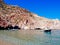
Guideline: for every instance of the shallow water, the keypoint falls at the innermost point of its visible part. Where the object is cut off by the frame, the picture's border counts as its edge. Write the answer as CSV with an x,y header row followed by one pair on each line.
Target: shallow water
x,y
31,37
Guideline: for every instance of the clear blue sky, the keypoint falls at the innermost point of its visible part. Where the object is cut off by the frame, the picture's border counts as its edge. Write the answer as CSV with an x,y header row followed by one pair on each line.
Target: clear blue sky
x,y
45,8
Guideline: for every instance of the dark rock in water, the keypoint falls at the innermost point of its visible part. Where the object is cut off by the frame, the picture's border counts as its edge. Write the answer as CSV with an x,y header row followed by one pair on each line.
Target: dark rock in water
x,y
37,28
1,28
6,28
16,27
9,27
47,30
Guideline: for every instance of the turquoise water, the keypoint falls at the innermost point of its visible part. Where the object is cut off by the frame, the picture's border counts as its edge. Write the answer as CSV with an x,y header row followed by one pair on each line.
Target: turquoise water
x,y
31,37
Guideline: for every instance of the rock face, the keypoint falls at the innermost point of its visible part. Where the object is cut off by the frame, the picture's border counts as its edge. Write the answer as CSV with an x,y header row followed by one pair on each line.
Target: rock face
x,y
16,16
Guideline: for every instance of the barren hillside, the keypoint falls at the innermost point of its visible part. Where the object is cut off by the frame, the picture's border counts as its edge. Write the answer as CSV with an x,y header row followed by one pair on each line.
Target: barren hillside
x,y
16,16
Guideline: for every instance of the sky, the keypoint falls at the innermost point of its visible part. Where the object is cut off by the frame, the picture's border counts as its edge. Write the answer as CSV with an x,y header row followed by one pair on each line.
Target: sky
x,y
46,8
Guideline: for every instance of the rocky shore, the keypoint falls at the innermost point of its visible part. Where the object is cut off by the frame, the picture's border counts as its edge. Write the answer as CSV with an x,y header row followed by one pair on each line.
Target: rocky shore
x,y
15,16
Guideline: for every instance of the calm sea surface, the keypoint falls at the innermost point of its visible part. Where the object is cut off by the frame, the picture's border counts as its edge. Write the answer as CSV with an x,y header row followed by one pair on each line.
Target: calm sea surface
x,y
31,37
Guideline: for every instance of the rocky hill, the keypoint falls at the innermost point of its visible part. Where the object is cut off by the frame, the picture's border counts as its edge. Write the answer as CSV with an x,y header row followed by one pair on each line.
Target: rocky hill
x,y
14,16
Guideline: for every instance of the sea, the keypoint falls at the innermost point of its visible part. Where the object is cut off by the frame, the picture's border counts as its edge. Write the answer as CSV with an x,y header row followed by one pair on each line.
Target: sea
x,y
30,37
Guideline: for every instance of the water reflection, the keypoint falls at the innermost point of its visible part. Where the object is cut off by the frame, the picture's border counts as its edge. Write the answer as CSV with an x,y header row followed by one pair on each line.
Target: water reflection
x,y
31,37
48,33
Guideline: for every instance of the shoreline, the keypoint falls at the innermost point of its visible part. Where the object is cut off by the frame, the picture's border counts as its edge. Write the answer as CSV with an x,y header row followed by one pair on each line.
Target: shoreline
x,y
29,29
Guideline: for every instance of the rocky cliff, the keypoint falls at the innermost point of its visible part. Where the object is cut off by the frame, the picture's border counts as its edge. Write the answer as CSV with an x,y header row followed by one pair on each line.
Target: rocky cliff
x,y
16,16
